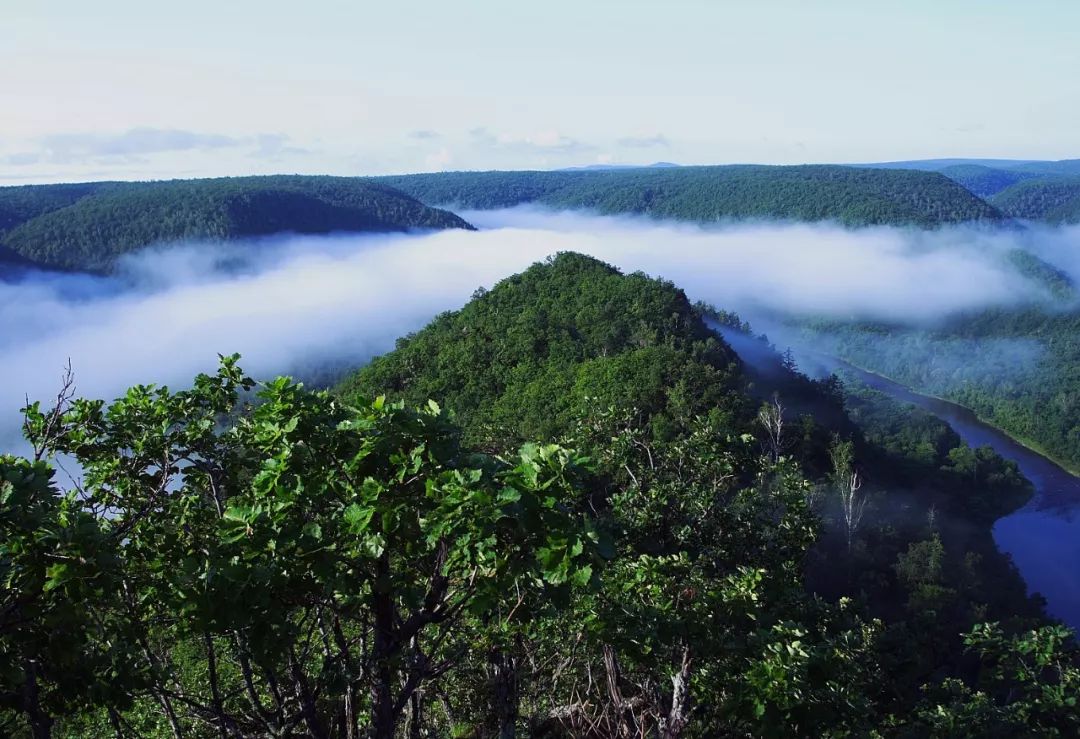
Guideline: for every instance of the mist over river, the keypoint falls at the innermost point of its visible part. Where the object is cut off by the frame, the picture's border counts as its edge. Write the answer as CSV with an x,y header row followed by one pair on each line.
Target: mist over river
x,y
1042,537
301,302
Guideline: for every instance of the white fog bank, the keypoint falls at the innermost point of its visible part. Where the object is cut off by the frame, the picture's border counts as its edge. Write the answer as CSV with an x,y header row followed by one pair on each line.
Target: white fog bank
x,y
304,301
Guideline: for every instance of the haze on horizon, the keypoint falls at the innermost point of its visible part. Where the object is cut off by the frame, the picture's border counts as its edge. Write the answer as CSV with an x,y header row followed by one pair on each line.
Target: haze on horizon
x,y
126,90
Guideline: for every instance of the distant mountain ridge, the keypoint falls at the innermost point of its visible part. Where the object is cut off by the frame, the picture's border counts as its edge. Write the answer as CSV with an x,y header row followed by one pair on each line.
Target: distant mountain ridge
x,y
847,195
89,226
1054,199
1050,196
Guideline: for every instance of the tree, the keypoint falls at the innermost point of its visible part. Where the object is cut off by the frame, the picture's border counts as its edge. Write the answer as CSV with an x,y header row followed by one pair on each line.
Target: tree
x,y
701,625
771,419
848,484
290,565
1029,685
63,646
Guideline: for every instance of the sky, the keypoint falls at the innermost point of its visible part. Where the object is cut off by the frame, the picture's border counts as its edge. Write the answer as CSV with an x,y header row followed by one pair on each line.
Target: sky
x,y
129,89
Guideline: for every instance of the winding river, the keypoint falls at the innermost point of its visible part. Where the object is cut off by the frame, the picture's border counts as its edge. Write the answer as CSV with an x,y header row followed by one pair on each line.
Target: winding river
x,y
1043,537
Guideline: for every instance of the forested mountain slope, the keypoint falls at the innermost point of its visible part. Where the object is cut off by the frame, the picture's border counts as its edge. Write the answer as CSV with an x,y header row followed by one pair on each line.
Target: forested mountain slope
x,y
698,545
1018,369
848,195
22,203
87,227
985,181
574,349
1055,199
523,358
1031,190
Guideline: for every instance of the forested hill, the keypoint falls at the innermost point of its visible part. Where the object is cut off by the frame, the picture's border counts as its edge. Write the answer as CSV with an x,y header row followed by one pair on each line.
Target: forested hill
x,y
521,359
88,226
985,181
625,368
848,195
23,203
1030,190
625,531
1055,199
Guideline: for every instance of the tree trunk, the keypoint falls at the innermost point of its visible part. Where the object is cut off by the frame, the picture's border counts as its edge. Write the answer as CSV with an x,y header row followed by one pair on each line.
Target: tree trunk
x,y
40,722
416,716
679,715
215,692
618,703
382,698
504,680
307,702
345,655
243,657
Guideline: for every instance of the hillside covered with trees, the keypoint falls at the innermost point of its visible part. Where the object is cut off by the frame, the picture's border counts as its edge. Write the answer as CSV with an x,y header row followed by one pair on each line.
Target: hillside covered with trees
x,y
1054,199
88,227
847,195
986,181
1018,369
614,527
1030,190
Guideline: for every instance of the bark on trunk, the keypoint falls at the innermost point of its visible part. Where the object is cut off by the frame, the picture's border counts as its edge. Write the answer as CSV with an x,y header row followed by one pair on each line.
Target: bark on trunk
x,y
416,717
307,702
618,703
505,692
382,698
40,722
215,692
679,715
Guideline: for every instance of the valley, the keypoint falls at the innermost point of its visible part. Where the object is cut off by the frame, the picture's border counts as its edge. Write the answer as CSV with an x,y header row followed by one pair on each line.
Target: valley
x,y
713,488
1040,537
563,370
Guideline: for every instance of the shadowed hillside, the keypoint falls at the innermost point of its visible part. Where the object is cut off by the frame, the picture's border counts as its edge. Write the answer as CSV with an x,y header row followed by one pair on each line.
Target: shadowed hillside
x,y
87,227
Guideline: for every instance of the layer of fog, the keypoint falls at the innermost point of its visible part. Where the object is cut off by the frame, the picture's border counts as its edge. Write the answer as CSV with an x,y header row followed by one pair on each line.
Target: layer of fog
x,y
309,302
907,276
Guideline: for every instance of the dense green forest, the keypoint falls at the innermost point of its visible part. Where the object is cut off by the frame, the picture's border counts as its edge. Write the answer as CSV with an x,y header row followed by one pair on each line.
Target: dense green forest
x,y
1055,199
1017,368
616,527
1030,190
22,203
848,195
87,227
985,181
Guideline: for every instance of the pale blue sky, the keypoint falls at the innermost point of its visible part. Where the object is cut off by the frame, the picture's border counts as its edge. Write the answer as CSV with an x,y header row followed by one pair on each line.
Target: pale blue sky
x,y
127,89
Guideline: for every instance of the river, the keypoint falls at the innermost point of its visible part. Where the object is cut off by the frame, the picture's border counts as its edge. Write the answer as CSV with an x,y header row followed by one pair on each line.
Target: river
x,y
1042,537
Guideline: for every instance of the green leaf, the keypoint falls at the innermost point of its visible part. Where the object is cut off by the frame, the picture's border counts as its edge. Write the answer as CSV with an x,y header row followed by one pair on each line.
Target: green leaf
x,y
358,517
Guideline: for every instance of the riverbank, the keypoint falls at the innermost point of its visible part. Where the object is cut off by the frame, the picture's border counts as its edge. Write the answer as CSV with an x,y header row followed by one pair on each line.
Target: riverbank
x,y
1028,444
1042,537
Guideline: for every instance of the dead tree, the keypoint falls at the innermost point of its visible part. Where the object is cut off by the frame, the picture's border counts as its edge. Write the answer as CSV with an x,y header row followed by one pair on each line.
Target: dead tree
x,y
854,505
848,483
771,418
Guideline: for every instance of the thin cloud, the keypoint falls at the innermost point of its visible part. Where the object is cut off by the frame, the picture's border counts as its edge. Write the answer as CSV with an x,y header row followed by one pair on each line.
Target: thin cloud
x,y
138,144
644,142
439,160
22,159
275,146
424,135
541,142
481,136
